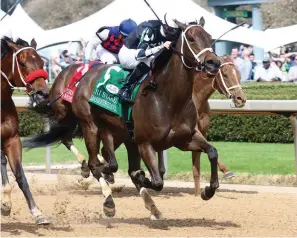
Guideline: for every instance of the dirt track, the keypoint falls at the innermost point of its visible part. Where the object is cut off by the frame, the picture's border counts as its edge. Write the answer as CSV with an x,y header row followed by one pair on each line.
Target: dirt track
x,y
75,208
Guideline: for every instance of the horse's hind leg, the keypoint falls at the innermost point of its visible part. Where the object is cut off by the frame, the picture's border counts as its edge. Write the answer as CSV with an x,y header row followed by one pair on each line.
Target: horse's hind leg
x,y
70,121
108,151
141,182
6,200
90,133
12,147
223,168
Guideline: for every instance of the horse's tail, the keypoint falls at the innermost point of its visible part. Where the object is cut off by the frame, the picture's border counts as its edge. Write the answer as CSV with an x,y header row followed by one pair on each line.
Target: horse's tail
x,y
53,136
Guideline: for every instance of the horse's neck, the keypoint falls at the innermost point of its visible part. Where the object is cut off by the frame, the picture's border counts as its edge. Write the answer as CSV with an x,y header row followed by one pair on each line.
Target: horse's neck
x,y
6,91
176,83
202,90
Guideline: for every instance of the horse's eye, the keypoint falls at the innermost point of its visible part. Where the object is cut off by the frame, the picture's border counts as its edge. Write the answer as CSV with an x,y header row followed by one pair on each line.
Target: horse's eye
x,y
22,64
191,39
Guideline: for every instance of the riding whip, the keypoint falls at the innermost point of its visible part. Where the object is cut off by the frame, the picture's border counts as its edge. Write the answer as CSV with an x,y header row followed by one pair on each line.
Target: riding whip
x,y
233,28
57,98
10,9
152,10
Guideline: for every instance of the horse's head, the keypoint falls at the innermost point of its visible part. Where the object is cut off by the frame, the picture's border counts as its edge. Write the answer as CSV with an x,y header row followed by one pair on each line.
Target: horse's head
x,y
195,46
227,82
25,68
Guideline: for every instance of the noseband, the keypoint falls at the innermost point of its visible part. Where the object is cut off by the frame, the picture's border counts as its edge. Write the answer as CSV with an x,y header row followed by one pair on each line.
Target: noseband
x,y
40,73
225,89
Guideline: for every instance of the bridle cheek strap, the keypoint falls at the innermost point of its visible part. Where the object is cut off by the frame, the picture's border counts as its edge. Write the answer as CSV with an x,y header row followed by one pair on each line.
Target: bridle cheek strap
x,y
225,89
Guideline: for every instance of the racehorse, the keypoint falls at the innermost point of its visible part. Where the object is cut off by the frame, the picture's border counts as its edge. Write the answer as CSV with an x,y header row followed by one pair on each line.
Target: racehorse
x,y
21,68
59,112
163,117
226,82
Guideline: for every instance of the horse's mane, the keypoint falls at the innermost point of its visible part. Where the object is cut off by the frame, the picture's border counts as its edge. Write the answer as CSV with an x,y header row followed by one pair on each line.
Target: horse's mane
x,y
5,49
164,56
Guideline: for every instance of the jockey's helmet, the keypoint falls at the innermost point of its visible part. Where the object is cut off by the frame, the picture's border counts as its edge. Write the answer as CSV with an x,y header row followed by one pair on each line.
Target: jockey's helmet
x,y
127,26
169,28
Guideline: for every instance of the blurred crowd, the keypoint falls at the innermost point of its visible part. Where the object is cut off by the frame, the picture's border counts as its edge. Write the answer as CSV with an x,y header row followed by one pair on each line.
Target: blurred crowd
x,y
62,58
280,67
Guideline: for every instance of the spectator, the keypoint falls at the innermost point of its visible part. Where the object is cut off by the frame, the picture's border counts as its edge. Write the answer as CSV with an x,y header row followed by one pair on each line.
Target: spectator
x,y
268,72
254,64
292,76
244,66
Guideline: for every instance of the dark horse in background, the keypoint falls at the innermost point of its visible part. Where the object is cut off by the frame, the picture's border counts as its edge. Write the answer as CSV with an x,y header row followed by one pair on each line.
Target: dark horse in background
x,y
21,68
163,118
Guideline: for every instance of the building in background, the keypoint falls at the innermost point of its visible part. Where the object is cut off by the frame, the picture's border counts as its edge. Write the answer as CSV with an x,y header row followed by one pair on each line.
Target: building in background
x,y
230,11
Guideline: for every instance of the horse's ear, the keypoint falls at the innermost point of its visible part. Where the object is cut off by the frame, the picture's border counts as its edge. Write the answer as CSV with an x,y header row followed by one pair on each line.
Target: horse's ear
x,y
33,43
180,25
202,21
12,45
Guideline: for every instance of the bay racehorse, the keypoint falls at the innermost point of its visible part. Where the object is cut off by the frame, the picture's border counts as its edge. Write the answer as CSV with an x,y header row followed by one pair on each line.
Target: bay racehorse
x,y
60,113
163,117
226,82
21,68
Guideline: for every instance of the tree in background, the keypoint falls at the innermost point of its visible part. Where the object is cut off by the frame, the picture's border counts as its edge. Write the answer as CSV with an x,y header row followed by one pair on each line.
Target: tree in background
x,y
280,14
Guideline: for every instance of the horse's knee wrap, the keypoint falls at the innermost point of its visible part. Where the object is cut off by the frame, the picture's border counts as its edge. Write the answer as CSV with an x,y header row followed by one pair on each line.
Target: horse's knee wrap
x,y
212,154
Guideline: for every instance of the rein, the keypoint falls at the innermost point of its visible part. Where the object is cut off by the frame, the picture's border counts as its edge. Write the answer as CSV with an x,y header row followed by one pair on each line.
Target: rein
x,y
225,89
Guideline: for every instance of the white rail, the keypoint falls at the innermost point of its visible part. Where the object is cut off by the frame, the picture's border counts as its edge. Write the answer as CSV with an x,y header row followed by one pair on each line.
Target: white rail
x,y
287,108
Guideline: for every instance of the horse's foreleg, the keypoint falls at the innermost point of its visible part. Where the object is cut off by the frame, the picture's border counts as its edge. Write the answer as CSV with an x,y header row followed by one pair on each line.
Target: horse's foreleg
x,y
6,200
196,171
197,144
91,137
161,164
13,149
140,181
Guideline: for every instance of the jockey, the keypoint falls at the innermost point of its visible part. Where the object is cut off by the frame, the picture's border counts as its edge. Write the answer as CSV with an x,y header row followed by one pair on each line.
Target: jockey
x,y
108,42
140,48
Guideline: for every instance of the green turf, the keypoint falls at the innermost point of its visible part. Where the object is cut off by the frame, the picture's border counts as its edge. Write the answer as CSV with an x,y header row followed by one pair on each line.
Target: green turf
x,y
250,158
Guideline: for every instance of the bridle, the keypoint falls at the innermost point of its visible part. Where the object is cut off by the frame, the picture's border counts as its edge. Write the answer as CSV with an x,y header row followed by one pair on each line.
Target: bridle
x,y
224,89
25,80
199,65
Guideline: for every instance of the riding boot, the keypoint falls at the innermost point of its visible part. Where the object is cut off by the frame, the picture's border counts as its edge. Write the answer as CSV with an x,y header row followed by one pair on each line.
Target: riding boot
x,y
126,91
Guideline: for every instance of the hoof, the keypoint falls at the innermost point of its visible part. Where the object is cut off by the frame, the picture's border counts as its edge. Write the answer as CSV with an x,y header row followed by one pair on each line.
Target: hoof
x,y
109,178
207,193
109,207
5,208
42,220
156,215
229,174
85,171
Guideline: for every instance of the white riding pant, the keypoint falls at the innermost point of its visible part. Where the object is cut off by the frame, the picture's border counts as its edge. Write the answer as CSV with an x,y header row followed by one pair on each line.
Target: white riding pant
x,y
106,56
127,58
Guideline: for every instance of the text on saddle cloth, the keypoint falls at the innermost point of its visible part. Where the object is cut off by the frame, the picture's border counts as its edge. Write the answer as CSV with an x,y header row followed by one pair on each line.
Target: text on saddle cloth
x,y
107,88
